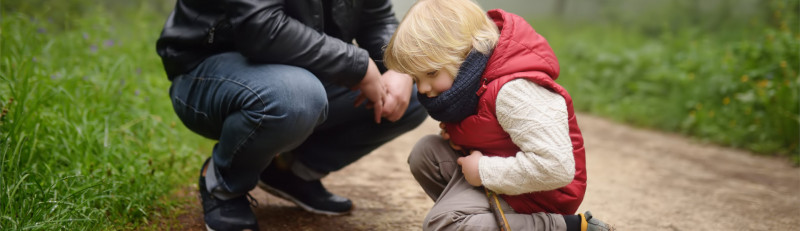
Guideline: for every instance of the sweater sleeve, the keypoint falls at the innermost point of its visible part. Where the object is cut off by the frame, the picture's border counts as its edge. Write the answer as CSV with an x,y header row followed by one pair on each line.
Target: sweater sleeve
x,y
536,120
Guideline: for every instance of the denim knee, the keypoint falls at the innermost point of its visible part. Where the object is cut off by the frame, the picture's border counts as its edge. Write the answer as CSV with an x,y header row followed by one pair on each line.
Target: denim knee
x,y
292,104
278,112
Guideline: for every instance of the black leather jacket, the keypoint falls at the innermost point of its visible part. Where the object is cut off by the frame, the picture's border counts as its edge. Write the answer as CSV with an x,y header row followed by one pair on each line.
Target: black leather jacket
x,y
276,31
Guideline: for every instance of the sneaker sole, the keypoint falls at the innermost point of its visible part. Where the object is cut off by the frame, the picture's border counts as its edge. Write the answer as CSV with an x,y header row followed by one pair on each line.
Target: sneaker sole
x,y
210,229
305,207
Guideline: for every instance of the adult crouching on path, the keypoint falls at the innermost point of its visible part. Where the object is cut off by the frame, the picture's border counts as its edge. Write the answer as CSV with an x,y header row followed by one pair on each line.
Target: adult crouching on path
x,y
275,83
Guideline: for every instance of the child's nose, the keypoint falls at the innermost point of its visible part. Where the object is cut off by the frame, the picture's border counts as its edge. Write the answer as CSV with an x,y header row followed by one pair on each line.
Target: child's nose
x,y
423,88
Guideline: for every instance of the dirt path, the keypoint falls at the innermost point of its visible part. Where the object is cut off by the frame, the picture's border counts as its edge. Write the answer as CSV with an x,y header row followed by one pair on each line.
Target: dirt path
x,y
638,180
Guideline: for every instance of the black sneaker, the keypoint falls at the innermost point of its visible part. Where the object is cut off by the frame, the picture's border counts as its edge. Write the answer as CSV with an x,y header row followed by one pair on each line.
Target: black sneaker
x,y
232,214
309,195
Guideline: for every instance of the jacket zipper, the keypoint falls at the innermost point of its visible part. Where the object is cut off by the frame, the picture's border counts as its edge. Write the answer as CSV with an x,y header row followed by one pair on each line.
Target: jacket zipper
x,y
211,34
213,30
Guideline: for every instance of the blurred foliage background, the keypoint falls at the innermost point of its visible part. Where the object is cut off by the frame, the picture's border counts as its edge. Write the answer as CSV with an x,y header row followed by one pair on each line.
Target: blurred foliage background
x,y
88,138
719,71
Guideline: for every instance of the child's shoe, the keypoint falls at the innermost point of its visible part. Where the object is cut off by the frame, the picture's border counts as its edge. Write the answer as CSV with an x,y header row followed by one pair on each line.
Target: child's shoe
x,y
589,223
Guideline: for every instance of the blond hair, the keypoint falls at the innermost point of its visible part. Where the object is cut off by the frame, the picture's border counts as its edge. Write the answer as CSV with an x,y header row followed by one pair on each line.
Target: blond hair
x,y
436,35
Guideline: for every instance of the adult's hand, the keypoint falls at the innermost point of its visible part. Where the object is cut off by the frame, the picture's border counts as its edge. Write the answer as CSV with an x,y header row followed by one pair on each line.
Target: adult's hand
x,y
372,89
398,94
469,166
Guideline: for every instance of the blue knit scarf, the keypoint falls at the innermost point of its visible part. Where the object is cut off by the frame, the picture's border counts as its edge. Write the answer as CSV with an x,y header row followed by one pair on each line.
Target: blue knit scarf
x,y
461,99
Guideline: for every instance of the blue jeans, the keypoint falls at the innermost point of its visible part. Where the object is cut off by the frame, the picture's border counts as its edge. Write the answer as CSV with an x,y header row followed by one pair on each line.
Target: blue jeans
x,y
256,111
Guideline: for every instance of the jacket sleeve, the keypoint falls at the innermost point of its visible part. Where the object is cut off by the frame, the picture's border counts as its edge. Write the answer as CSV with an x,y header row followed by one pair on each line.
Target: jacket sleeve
x,y
263,32
378,25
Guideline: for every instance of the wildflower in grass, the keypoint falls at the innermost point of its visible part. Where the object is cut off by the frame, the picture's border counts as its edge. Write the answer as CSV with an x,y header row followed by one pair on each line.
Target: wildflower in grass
x,y
745,78
783,64
726,100
136,93
41,30
728,57
711,114
93,48
762,83
85,36
108,42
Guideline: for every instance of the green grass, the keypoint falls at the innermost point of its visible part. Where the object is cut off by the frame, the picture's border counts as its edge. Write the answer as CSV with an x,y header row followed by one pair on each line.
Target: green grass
x,y
88,138
734,83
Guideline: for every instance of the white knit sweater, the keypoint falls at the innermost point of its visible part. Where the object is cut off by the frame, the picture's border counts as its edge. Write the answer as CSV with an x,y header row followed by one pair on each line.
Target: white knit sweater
x,y
536,119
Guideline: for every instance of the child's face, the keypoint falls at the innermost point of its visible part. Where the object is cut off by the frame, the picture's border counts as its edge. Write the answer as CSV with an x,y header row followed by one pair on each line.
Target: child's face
x,y
433,83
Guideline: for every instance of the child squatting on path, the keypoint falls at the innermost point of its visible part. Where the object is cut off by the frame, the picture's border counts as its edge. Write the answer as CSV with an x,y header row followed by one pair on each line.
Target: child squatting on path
x,y
490,81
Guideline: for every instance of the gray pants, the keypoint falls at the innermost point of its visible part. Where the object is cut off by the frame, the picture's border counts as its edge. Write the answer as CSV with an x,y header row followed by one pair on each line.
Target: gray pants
x,y
459,205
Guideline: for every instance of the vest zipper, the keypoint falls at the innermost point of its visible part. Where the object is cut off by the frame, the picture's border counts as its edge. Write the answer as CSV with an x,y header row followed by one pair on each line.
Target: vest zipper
x,y
484,86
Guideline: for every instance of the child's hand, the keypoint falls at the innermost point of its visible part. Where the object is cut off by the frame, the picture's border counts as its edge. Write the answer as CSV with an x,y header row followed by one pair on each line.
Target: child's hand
x,y
446,136
469,166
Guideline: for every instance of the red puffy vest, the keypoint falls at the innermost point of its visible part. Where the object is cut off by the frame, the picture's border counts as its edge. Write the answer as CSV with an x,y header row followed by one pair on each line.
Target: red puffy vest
x,y
521,53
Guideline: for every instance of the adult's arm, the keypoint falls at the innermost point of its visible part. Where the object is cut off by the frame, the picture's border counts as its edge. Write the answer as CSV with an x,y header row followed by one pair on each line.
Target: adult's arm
x,y
377,24
265,33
